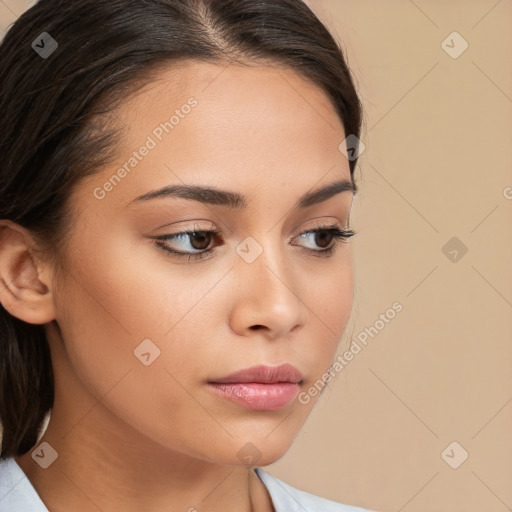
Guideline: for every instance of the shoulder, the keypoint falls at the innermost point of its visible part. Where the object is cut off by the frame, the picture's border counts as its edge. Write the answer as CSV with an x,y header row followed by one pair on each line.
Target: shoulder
x,y
16,492
289,499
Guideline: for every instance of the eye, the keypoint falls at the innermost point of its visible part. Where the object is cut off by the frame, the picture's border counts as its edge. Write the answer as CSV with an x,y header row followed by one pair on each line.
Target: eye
x,y
324,237
196,240
194,245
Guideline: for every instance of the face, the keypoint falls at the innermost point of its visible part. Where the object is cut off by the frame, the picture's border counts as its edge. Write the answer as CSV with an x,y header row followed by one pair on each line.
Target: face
x,y
250,282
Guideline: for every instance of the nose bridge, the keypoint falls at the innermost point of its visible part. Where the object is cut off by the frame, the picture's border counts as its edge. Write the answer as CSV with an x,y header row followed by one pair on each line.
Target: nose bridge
x,y
263,261
267,281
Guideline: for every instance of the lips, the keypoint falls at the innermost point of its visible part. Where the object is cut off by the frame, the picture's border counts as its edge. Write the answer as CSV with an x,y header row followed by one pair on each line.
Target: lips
x,y
263,374
261,388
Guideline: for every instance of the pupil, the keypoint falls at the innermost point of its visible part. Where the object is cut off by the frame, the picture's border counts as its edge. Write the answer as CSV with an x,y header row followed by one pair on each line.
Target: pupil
x,y
323,235
202,238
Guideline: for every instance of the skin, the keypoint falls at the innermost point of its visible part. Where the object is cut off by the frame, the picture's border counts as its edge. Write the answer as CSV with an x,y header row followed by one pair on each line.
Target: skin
x,y
133,437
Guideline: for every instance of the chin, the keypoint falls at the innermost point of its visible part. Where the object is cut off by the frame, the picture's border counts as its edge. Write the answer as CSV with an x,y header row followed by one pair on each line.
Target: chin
x,y
250,451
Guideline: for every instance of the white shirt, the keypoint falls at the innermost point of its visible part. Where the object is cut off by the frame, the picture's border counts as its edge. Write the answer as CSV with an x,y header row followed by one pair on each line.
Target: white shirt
x,y
18,495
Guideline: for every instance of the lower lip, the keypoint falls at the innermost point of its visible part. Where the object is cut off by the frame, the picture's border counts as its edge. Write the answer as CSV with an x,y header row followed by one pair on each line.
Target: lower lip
x,y
257,396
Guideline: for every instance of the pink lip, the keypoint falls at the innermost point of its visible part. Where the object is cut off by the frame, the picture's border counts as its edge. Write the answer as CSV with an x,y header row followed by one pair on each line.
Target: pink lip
x,y
263,374
263,388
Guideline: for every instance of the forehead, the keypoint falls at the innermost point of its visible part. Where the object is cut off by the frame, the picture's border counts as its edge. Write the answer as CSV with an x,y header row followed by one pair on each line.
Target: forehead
x,y
256,88
226,125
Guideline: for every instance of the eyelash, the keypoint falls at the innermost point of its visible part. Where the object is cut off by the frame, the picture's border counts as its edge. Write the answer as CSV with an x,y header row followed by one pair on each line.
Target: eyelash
x,y
340,236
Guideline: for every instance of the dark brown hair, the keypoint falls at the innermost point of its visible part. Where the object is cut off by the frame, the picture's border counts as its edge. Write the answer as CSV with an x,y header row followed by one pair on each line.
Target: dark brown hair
x,y
52,134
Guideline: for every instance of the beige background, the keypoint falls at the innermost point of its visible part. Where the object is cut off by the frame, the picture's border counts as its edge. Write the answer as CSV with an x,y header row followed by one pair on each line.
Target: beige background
x,y
437,164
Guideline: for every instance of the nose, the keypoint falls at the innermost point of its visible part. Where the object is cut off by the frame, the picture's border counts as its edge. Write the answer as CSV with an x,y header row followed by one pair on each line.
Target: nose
x,y
268,297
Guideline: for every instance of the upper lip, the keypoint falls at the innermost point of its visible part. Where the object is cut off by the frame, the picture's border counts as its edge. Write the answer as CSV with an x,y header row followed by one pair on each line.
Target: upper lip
x,y
263,374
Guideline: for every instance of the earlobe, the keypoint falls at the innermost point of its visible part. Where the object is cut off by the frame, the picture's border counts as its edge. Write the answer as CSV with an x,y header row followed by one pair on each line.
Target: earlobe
x,y
22,292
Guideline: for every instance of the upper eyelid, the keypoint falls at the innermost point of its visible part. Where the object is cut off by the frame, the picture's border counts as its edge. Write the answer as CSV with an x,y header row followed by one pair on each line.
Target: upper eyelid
x,y
217,232
321,226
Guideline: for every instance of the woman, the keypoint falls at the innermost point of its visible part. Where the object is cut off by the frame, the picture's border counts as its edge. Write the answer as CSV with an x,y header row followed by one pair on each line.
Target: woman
x,y
175,209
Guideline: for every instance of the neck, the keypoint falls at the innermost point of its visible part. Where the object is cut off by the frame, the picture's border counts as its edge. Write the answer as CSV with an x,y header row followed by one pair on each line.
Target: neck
x,y
110,474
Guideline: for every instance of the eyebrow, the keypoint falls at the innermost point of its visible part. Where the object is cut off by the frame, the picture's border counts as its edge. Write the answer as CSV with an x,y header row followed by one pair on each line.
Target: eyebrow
x,y
234,200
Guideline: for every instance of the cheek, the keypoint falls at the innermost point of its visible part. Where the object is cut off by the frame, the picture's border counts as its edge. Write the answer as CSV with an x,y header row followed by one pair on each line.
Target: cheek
x,y
329,301
106,311
336,301
110,305
336,281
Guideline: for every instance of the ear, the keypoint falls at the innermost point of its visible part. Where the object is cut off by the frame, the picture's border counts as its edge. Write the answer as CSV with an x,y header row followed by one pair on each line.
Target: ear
x,y
24,285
